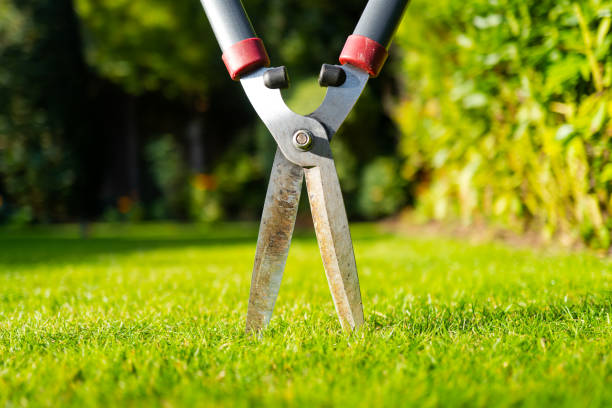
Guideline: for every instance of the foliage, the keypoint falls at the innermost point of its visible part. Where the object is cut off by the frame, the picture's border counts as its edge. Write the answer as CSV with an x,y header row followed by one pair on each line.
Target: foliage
x,y
42,114
506,113
382,191
204,200
150,45
184,194
153,315
83,101
169,172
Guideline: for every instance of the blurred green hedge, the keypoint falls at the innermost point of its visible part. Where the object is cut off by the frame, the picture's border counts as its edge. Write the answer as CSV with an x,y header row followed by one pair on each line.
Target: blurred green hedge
x,y
505,113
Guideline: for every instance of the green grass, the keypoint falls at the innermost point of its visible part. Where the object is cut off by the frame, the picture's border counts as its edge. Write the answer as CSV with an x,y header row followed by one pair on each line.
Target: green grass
x,y
154,316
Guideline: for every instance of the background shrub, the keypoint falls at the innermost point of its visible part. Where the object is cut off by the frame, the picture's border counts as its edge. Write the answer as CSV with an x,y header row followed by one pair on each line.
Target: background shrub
x,y
505,113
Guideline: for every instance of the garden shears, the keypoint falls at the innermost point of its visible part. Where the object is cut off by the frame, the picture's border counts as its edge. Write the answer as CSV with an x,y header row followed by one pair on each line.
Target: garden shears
x,y
304,150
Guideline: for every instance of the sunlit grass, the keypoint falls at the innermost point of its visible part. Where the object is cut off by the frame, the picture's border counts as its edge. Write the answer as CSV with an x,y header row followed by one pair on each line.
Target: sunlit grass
x,y
154,315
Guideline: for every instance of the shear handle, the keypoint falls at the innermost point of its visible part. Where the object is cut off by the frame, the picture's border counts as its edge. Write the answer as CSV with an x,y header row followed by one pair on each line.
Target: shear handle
x,y
243,52
229,21
367,47
380,20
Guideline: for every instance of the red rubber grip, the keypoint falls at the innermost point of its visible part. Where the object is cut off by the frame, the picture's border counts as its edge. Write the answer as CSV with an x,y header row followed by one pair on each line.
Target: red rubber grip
x,y
364,53
245,56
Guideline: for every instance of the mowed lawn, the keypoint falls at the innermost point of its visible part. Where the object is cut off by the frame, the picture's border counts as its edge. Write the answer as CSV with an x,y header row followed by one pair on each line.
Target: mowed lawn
x,y
153,315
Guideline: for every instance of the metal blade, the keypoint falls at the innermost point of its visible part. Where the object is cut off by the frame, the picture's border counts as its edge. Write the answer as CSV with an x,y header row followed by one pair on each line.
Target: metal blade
x,y
339,100
335,244
275,231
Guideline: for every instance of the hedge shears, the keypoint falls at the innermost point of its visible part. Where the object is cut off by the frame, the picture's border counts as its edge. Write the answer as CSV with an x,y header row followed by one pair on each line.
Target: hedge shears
x,y
304,150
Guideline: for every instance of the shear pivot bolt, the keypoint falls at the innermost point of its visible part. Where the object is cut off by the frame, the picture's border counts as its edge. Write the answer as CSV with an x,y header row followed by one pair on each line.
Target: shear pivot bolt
x,y
302,140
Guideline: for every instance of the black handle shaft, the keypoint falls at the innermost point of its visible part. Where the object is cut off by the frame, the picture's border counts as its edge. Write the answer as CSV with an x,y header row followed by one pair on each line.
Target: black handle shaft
x,y
229,21
380,19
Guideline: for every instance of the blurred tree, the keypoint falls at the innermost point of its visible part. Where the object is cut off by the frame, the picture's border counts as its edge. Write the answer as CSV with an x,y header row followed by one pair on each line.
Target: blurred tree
x,y
167,47
45,141
152,46
84,106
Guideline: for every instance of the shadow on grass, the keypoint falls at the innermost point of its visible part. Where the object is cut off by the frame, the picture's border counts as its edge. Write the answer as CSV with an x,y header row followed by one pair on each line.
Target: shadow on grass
x,y
64,245
34,251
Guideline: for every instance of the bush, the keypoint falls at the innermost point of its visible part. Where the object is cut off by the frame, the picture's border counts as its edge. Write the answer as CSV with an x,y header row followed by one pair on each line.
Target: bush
x,y
381,192
171,176
506,113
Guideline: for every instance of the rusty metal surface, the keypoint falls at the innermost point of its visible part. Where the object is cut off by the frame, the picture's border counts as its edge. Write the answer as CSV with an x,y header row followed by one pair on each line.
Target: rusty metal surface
x,y
275,231
335,244
280,209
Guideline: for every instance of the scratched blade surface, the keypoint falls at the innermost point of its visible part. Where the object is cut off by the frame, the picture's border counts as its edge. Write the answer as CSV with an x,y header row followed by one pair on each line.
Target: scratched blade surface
x,y
335,244
275,231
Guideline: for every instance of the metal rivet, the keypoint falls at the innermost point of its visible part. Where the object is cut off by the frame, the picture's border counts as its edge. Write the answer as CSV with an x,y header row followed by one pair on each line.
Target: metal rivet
x,y
302,140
